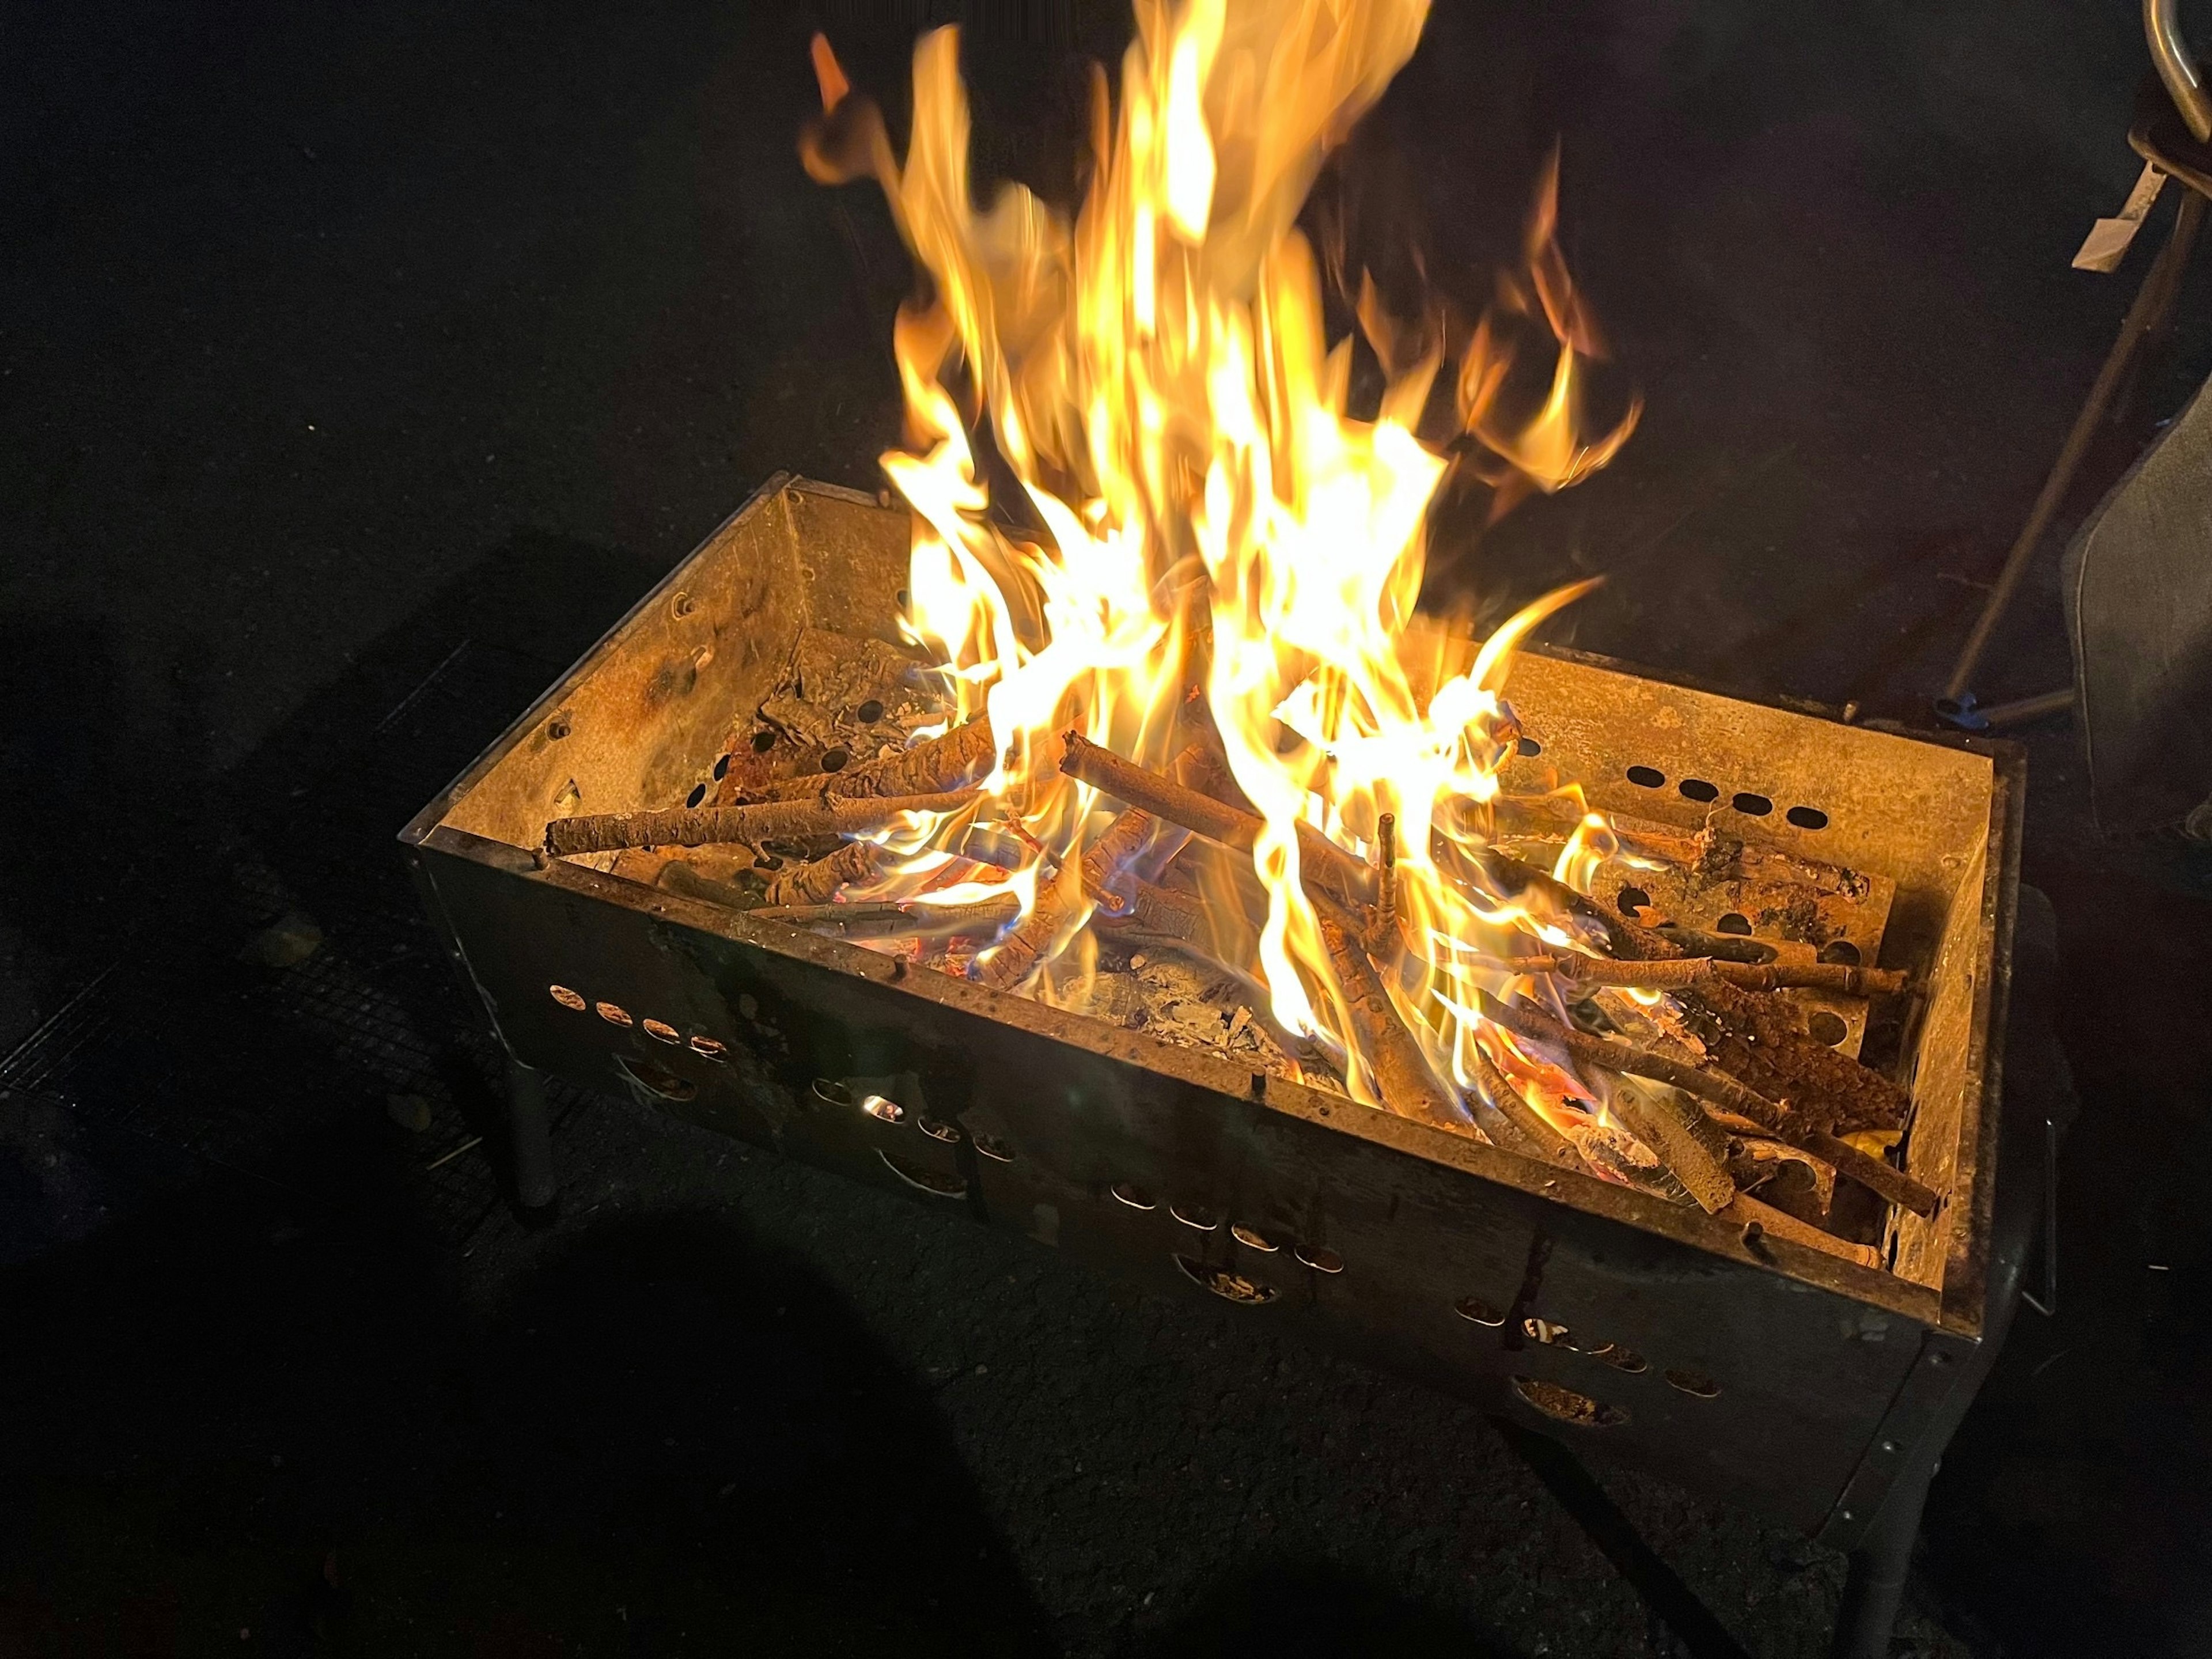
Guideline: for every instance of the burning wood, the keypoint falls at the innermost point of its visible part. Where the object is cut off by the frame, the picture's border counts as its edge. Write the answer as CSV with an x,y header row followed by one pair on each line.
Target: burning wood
x,y
1202,815
1524,1129
817,882
1402,1074
1221,546
1720,1090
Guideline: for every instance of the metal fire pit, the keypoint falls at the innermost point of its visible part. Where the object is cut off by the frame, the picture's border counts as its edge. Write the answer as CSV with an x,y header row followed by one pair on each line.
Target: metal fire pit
x,y
1773,1375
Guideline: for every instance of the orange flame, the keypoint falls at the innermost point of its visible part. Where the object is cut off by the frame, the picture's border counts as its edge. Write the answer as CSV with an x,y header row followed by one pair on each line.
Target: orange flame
x,y
1156,376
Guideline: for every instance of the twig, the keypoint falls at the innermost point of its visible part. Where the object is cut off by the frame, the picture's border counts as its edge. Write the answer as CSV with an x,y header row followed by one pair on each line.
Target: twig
x,y
703,826
1691,972
451,1154
1383,925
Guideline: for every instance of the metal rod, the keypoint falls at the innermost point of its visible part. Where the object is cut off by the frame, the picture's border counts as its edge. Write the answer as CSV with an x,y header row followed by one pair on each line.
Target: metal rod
x,y
2019,712
2047,1303
1577,1491
2150,302
2176,67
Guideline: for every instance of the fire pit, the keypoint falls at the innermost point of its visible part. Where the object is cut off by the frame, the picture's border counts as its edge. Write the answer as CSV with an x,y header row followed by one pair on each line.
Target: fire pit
x,y
1121,857
1732,1358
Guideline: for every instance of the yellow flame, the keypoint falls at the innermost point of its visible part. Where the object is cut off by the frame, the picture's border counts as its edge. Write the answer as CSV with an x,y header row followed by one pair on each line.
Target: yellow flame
x,y
1156,375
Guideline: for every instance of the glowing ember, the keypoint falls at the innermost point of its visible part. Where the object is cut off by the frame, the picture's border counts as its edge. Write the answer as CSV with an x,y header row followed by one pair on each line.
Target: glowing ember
x,y
1222,557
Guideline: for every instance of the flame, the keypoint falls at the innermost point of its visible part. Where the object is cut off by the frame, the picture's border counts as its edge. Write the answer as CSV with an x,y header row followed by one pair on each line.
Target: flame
x,y
1207,524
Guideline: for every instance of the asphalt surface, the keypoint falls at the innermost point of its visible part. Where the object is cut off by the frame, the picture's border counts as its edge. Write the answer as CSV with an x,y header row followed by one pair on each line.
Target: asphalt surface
x,y
358,366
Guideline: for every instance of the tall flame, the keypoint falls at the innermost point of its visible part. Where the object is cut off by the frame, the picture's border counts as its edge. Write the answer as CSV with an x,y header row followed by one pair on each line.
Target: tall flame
x,y
1208,520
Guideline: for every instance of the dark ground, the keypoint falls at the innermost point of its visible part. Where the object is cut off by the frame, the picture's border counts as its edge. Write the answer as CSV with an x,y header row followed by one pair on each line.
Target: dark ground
x,y
359,365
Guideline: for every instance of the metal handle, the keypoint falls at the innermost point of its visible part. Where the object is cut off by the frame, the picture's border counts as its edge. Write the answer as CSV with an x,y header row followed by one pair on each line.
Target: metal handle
x,y
2176,67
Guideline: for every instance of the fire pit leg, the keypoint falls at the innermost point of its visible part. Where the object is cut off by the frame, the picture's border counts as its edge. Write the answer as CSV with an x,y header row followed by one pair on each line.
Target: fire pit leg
x,y
2038,1103
529,1135
1875,1588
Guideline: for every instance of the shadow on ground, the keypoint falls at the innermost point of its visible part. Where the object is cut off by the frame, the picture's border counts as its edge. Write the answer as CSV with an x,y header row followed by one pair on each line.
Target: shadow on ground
x,y
663,1433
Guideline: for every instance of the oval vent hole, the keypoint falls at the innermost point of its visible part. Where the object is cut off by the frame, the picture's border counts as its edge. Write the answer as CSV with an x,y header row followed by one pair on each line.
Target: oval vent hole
x,y
1808,817
939,1130
722,767
831,1092
1320,1258
1633,900
1567,1406
708,1047
1134,1195
613,1012
1699,789
1734,922
662,1030
994,1148
1252,1240
1228,1287
1647,777
1196,1215
1827,1026
1528,748
1552,1335
1695,1383
1474,1308
567,998
1840,950
698,794
1621,1359
883,1110
1751,806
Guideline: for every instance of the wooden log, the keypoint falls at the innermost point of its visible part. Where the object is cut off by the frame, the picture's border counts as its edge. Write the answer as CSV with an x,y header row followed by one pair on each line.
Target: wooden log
x,y
978,920
1722,1091
1751,1036
703,826
1689,973
817,882
1015,957
1544,1138
1710,853
1678,1134
1403,1077
1137,786
955,760
1779,1223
